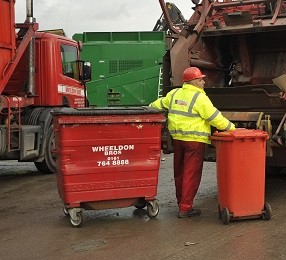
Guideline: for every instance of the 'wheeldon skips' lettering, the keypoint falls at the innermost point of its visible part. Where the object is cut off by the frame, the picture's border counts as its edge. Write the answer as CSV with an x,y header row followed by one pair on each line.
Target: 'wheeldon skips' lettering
x,y
113,148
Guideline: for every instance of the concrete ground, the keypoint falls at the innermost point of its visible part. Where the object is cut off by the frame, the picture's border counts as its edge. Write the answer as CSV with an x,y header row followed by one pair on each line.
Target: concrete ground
x,y
33,225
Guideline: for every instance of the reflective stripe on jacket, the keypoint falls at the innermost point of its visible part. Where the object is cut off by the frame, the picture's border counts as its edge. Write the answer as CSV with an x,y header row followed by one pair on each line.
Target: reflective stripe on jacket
x,y
191,114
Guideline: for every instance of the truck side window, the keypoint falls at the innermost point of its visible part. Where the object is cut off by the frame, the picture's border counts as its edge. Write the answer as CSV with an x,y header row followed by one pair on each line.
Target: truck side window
x,y
69,61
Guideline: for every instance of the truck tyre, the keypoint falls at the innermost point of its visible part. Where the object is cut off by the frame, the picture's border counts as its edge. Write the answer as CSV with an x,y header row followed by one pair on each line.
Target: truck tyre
x,y
48,165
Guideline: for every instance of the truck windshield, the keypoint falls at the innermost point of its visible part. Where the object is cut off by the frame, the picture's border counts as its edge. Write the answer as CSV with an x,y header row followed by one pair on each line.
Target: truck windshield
x,y
69,61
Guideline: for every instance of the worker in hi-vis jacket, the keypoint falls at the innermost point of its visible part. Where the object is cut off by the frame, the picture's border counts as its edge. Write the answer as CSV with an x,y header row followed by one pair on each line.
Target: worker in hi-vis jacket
x,y
190,117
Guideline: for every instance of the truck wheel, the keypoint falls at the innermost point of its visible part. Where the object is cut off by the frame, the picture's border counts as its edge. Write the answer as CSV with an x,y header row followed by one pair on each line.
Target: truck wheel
x,y
48,165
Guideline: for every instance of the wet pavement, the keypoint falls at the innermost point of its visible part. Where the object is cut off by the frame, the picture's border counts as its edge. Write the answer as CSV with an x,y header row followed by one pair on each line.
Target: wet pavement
x,y
33,225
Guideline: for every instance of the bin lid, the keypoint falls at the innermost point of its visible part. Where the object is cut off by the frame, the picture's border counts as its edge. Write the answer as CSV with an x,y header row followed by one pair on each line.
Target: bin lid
x,y
239,133
89,111
108,115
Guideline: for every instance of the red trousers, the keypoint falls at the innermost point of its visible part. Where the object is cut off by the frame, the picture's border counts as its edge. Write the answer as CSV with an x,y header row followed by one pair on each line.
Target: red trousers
x,y
188,166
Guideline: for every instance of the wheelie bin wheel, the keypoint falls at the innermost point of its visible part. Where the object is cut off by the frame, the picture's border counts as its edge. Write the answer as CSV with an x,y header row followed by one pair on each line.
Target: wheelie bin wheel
x,y
219,212
225,216
141,205
152,209
267,212
65,210
76,217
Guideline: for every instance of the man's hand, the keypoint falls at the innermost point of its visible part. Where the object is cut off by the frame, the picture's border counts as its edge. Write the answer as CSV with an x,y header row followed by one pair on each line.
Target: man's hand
x,y
282,95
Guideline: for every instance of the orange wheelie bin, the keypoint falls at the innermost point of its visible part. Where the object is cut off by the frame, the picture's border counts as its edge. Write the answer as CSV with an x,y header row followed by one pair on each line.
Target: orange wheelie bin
x,y
107,158
240,158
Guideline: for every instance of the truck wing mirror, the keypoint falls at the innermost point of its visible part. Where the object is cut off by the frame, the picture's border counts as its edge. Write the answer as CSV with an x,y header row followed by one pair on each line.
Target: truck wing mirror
x,y
196,2
85,71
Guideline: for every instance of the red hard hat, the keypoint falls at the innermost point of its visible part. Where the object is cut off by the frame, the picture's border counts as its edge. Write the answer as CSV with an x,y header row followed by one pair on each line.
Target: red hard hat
x,y
192,73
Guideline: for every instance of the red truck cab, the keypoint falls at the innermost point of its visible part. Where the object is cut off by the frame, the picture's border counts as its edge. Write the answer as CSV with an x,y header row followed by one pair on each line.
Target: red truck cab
x,y
57,81
57,75
39,71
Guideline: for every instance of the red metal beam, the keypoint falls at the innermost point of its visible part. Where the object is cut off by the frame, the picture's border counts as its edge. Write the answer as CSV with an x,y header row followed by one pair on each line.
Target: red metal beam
x,y
277,11
219,5
15,101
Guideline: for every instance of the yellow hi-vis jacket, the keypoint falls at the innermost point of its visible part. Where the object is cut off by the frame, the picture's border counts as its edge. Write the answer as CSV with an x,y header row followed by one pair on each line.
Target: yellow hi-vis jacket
x,y
191,114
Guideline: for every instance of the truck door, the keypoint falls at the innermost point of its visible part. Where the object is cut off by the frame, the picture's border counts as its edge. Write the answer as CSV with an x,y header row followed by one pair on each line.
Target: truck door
x,y
69,86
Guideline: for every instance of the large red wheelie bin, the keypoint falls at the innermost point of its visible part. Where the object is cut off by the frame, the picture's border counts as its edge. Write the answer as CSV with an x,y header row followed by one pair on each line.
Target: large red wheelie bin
x,y
240,158
107,158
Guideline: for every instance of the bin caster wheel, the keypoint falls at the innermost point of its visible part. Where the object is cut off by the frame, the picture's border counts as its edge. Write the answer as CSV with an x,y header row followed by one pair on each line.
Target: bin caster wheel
x,y
152,209
219,212
141,205
76,217
65,210
267,212
225,216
